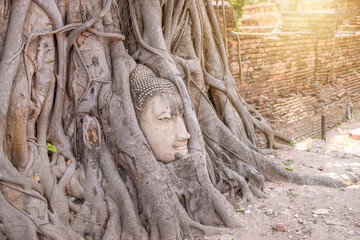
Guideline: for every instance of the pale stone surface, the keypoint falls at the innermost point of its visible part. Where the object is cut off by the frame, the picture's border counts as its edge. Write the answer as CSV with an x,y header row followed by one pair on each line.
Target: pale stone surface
x,y
164,127
355,134
321,211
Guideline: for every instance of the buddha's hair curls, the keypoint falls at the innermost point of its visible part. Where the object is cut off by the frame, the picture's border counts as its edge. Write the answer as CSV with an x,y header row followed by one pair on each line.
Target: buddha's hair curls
x,y
144,85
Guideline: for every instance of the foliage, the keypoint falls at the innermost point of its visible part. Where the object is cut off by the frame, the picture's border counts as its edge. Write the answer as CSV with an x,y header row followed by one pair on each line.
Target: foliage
x,y
237,5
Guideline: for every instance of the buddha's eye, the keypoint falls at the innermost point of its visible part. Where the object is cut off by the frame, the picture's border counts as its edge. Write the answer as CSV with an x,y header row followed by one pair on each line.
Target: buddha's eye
x,y
165,119
165,116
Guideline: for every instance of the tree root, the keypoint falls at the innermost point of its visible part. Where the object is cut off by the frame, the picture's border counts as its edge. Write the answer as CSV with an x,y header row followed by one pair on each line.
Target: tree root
x,y
260,122
16,225
8,70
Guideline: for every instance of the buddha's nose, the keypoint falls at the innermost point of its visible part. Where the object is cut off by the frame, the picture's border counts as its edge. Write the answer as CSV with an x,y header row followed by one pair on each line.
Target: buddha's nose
x,y
182,133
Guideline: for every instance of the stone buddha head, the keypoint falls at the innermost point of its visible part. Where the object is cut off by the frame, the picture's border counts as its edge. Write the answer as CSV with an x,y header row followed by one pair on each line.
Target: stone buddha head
x,y
159,111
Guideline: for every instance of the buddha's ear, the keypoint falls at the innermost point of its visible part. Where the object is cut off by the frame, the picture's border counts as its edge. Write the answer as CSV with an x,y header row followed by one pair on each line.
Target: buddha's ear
x,y
127,65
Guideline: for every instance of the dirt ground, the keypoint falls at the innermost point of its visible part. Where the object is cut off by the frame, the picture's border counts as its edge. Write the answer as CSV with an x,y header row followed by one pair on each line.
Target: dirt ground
x,y
309,212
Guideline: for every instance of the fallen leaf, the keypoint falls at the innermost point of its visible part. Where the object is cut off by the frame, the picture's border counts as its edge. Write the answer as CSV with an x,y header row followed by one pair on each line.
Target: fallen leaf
x,y
35,177
68,162
240,210
279,228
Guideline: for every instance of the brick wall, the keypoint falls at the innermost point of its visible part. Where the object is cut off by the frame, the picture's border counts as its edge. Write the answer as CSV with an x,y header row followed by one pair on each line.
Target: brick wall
x,y
262,14
293,77
342,8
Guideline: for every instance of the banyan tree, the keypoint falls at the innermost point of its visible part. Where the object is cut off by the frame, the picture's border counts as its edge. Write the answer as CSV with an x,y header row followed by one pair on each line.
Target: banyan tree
x,y
120,119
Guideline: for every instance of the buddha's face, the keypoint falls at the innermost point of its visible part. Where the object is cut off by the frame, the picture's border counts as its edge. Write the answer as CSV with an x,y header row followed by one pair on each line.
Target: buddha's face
x,y
163,125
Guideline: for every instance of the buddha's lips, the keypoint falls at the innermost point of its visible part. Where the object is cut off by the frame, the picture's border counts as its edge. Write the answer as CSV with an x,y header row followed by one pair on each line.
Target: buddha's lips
x,y
181,147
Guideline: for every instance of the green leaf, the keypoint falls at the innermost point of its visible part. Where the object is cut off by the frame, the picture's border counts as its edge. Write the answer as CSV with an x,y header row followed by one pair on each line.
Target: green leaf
x,y
50,147
289,169
240,209
355,72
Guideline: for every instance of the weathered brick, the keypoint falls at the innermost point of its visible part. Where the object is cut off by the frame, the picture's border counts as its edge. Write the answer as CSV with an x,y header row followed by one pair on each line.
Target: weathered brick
x,y
302,74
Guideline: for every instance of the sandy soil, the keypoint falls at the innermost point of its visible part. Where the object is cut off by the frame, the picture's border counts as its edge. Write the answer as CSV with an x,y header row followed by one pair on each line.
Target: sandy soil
x,y
309,212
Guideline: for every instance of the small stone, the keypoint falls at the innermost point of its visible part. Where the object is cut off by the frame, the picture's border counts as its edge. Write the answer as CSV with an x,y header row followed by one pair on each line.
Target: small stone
x,y
303,222
315,215
247,211
290,237
315,221
280,228
269,211
352,232
333,222
296,215
321,211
